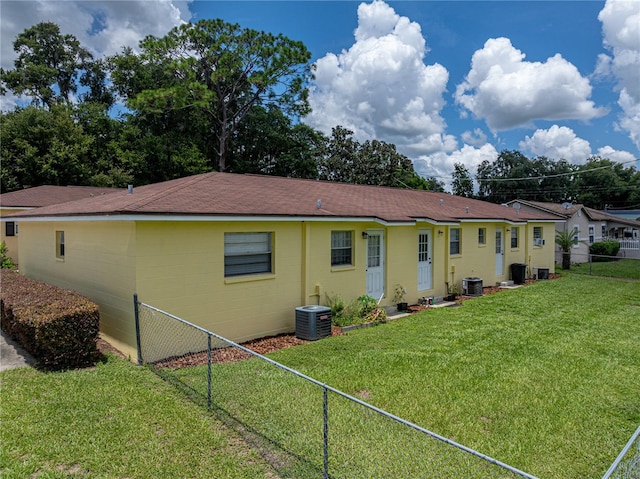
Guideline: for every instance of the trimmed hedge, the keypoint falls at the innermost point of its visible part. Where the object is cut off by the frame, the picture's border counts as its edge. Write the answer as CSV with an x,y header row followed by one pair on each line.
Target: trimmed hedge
x,y
58,327
604,248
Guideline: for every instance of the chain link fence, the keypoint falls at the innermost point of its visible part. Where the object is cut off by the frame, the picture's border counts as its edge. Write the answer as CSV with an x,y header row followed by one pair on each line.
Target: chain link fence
x,y
303,428
627,464
607,266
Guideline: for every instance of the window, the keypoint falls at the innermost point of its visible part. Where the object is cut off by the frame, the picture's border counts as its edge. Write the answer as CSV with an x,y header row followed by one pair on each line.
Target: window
x,y
247,253
341,248
423,247
576,228
604,231
537,236
482,235
592,234
60,244
515,230
454,241
11,228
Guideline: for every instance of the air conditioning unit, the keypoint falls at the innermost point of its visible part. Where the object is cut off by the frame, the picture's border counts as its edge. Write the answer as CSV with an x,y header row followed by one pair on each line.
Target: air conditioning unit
x,y
472,286
313,322
538,242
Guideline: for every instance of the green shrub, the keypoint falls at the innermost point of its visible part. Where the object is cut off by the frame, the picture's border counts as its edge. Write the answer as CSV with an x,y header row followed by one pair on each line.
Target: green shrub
x,y
604,248
5,261
58,327
362,310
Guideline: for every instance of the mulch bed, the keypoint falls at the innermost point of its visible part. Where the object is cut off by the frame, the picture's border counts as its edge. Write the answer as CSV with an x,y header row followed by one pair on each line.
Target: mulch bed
x,y
273,343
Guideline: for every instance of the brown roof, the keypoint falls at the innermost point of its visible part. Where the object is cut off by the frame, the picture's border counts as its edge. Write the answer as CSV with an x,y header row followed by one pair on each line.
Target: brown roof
x,y
598,215
556,208
227,194
50,195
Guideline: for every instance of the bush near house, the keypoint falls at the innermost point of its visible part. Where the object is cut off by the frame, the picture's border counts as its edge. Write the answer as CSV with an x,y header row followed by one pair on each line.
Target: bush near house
x,y
604,248
58,327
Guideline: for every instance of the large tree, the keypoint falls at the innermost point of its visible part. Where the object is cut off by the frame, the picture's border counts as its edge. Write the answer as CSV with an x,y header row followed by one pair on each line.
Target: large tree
x,y
217,71
48,65
462,184
602,183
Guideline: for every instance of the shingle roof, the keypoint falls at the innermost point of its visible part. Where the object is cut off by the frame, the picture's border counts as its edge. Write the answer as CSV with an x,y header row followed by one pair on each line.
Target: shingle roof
x,y
598,215
227,194
50,195
556,208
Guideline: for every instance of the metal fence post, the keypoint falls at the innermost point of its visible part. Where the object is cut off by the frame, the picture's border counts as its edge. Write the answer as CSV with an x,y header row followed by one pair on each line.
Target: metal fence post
x,y
137,322
325,414
208,371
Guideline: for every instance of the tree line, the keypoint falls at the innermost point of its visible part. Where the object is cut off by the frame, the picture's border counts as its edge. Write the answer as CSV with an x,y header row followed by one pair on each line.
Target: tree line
x,y
214,96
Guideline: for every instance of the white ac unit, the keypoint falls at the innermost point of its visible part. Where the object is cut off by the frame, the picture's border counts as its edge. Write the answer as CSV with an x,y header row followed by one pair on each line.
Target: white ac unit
x,y
538,242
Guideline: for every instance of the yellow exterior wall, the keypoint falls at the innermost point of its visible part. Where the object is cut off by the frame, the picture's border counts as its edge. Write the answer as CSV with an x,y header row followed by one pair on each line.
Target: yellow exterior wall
x,y
180,269
10,241
99,263
178,266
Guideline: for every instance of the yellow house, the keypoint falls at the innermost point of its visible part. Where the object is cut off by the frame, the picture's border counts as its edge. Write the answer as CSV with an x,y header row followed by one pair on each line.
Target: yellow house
x,y
236,254
36,197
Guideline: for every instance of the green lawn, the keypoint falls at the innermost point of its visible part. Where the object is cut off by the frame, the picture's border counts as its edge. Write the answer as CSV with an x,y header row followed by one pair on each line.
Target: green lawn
x,y
545,378
623,268
113,421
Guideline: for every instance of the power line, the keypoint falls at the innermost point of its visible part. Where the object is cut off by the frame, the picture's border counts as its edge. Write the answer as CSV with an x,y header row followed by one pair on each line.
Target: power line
x,y
572,173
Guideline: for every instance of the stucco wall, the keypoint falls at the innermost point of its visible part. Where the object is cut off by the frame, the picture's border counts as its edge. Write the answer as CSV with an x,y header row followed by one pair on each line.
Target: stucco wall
x,y
99,263
10,241
180,269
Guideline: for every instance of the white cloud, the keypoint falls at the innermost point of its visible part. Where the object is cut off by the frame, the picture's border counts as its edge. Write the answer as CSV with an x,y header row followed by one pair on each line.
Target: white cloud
x,y
615,155
621,30
475,138
441,164
507,91
557,142
103,27
380,88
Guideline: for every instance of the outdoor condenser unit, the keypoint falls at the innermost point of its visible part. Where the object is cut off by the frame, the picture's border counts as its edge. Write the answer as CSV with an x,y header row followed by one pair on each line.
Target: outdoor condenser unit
x,y
313,322
472,286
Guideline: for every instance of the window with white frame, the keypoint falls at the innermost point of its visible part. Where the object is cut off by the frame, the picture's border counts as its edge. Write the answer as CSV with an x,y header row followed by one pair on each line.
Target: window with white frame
x,y
515,233
60,244
576,237
341,248
247,253
603,231
592,234
538,240
482,236
455,246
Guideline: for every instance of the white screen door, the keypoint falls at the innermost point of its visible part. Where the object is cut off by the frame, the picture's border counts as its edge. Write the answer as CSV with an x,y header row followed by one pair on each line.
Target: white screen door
x,y
424,260
499,252
375,264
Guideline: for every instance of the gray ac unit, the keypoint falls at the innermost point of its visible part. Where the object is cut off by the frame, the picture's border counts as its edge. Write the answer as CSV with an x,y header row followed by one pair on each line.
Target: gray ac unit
x,y
472,286
313,322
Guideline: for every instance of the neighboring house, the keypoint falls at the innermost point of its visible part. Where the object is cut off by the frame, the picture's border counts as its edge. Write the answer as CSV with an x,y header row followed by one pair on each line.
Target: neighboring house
x,y
236,254
592,226
626,214
36,197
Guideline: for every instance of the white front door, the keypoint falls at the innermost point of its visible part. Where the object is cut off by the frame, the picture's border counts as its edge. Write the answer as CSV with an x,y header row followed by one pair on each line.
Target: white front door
x,y
424,260
499,253
375,264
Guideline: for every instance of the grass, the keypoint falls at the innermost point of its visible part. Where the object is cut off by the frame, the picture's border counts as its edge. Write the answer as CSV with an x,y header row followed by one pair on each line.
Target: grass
x,y
624,268
114,420
545,378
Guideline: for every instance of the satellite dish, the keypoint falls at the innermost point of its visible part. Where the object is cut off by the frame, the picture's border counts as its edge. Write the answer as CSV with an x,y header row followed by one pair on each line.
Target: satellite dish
x,y
517,206
567,205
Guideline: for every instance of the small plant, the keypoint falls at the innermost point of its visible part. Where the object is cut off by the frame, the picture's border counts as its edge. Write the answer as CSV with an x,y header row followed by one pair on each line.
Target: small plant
x,y
5,261
362,310
399,293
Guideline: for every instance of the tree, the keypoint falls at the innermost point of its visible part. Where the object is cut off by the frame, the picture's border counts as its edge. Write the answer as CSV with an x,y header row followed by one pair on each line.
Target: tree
x,y
267,143
42,147
603,183
216,70
566,240
47,66
462,184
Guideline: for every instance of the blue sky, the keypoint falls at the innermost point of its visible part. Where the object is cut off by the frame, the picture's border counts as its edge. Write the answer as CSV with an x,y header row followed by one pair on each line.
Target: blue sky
x,y
446,81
